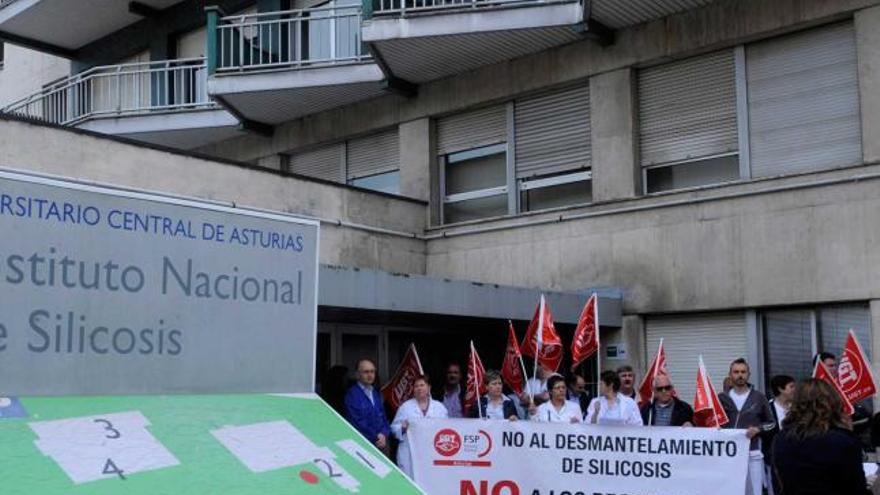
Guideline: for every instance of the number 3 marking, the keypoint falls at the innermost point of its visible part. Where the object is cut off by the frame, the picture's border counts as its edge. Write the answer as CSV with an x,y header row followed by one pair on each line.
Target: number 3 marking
x,y
108,426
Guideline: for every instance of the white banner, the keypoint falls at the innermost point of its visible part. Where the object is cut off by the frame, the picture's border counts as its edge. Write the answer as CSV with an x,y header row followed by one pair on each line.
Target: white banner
x,y
477,457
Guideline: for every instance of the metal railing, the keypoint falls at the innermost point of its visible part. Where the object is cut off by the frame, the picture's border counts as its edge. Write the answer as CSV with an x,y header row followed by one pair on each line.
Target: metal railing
x,y
290,38
403,7
115,90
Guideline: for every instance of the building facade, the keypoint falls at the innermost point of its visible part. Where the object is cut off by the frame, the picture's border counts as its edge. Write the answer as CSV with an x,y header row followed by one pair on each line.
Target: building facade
x,y
710,168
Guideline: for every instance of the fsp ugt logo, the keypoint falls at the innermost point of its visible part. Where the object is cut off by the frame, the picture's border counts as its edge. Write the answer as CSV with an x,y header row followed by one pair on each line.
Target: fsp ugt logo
x,y
447,442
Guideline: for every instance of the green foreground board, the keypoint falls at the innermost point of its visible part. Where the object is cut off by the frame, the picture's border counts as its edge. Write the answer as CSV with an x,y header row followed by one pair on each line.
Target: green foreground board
x,y
41,456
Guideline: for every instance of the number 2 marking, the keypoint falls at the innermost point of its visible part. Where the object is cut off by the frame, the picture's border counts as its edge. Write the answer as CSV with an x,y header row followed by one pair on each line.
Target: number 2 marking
x,y
108,426
330,472
111,468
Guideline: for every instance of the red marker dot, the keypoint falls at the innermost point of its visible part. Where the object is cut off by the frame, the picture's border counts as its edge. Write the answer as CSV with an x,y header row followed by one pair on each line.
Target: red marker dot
x,y
309,477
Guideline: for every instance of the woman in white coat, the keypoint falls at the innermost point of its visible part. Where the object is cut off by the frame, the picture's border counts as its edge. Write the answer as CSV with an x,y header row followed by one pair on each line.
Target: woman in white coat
x,y
557,409
613,408
421,406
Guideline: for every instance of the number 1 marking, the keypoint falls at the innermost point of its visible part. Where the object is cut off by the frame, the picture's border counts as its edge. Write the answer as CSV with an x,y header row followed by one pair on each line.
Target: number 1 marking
x,y
367,462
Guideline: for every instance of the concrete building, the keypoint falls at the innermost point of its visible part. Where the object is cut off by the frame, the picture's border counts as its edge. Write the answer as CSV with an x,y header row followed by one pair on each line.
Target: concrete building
x,y
709,167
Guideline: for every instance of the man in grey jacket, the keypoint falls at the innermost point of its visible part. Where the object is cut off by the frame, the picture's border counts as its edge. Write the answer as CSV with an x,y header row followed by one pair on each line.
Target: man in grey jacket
x,y
747,408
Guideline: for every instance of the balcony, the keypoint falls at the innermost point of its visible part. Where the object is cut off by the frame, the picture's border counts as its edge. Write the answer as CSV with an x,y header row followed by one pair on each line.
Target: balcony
x,y
422,40
63,26
273,67
161,102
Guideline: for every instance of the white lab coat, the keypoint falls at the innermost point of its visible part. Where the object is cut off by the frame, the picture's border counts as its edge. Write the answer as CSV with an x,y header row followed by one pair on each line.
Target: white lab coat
x,y
547,413
410,411
624,412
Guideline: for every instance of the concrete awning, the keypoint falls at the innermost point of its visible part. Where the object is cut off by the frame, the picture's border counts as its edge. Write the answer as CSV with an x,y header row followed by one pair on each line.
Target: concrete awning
x,y
356,288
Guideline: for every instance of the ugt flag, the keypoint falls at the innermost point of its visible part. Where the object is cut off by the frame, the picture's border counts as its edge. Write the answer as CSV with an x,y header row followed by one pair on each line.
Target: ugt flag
x,y
476,385
820,372
400,388
707,408
854,373
541,339
658,367
586,334
513,370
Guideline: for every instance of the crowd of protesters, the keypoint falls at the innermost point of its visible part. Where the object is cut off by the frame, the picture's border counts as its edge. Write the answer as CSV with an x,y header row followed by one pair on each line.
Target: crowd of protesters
x,y
800,441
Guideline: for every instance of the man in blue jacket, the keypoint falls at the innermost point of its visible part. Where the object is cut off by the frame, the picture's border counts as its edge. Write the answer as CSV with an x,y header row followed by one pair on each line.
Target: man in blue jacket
x,y
364,408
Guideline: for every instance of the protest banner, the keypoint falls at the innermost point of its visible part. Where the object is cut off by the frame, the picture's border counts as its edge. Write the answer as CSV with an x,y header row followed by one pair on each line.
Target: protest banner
x,y
468,457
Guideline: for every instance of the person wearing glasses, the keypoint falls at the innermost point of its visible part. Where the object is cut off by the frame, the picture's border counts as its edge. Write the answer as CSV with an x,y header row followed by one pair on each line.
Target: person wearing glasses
x,y
666,409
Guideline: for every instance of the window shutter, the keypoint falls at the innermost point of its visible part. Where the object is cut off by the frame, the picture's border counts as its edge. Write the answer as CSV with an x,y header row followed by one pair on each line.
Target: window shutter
x,y
553,132
324,162
719,338
687,109
374,154
804,102
472,129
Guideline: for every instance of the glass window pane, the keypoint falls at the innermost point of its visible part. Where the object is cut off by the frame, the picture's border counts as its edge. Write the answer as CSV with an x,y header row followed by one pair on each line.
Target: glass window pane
x,y
475,174
835,322
788,347
389,182
693,174
473,209
569,194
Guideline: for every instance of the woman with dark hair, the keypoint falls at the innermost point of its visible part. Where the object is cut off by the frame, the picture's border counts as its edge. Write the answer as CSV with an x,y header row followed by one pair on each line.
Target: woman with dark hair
x,y
816,452
557,409
421,406
611,407
494,405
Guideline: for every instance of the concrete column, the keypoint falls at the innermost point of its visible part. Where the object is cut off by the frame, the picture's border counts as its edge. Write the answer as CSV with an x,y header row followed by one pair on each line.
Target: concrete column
x,y
875,344
630,335
867,24
616,173
416,158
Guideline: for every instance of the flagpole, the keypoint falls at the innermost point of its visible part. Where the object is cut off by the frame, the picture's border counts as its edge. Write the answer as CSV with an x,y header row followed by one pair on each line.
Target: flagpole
x,y
477,385
539,344
598,344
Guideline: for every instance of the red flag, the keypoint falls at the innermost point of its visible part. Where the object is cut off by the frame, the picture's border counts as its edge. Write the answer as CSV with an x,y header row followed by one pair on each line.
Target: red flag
x,y
586,334
512,369
475,381
657,368
707,408
854,373
400,387
820,372
547,340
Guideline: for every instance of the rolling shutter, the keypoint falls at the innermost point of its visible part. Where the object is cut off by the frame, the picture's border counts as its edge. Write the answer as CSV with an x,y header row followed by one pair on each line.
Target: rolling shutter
x,y
472,129
553,132
835,323
804,102
374,154
324,162
719,338
687,109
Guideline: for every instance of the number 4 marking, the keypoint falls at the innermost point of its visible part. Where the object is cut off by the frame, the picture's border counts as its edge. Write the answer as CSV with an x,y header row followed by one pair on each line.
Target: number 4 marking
x,y
111,468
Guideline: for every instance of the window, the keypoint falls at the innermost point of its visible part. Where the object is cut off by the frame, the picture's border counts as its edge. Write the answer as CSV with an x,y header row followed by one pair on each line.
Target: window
x,y
530,154
475,184
552,147
371,162
688,132
781,106
792,337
